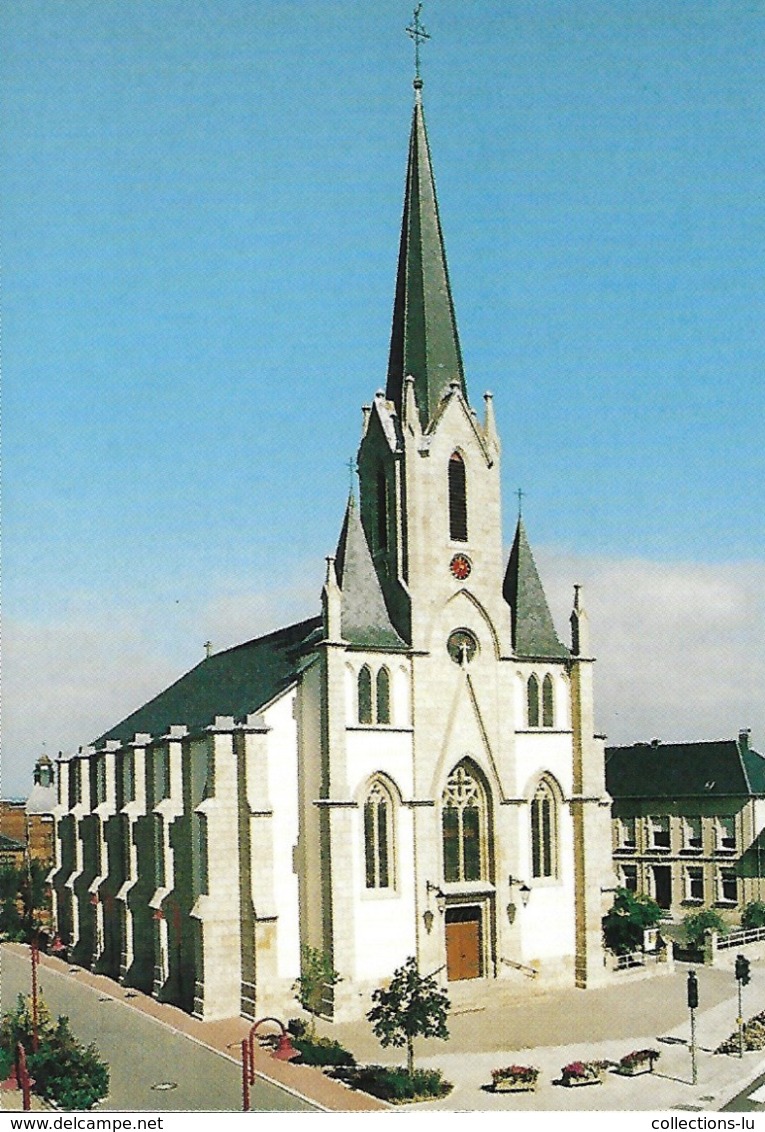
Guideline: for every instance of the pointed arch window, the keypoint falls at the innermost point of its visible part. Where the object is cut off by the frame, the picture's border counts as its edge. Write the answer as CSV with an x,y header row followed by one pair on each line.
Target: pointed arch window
x,y
463,818
548,705
382,510
365,695
544,832
383,695
378,837
457,499
532,701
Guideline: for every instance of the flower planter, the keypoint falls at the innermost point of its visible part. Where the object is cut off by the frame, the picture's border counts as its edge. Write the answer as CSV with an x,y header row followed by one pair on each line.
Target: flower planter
x,y
634,1070
575,1082
509,1085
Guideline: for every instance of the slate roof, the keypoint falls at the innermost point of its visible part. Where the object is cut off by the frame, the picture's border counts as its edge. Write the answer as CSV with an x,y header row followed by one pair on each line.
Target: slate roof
x,y
236,682
533,630
723,768
364,618
424,340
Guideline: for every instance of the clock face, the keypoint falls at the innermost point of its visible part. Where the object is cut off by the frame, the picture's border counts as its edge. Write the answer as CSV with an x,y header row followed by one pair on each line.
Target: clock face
x,y
460,567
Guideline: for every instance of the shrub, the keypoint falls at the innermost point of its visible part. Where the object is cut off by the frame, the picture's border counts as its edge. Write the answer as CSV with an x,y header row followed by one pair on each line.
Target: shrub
x,y
697,924
64,1071
754,1036
753,915
6,1064
322,1051
297,1027
630,915
317,976
396,1084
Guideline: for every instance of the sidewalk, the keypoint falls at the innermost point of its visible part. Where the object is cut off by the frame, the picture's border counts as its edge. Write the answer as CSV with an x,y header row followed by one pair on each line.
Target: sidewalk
x,y
497,1024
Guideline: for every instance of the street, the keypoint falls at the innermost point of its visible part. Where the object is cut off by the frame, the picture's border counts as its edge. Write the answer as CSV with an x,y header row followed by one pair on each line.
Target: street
x,y
152,1067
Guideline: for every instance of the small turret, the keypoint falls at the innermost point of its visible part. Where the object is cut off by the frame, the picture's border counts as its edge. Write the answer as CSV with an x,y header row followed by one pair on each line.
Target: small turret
x,y
331,602
580,626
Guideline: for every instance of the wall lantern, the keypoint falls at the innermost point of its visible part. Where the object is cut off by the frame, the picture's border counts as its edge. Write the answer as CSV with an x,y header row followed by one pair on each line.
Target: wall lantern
x,y
427,917
523,889
440,898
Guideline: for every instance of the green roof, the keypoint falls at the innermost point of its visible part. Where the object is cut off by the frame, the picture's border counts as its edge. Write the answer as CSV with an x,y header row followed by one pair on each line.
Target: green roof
x,y
532,624
424,340
236,682
723,768
364,618
8,845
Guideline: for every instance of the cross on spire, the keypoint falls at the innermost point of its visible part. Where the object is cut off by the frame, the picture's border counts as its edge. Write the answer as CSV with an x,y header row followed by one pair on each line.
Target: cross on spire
x,y
417,32
520,493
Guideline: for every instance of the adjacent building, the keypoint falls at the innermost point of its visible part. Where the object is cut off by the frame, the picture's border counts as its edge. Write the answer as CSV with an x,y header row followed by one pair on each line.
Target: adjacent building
x,y
688,823
414,771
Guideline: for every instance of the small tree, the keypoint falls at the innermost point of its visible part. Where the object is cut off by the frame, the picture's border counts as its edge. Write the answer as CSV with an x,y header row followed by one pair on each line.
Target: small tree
x,y
697,924
412,1006
316,975
630,915
753,915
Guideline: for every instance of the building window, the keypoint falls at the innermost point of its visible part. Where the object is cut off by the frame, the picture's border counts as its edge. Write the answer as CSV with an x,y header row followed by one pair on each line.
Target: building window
x,y
127,778
627,833
532,701
75,782
544,832
127,848
694,884
727,888
377,838
548,713
100,784
161,765
457,499
159,851
659,827
629,877
692,833
463,819
382,689
365,695
382,511
726,833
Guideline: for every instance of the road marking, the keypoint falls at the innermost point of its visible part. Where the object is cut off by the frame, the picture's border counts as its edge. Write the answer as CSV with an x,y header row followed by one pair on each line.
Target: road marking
x,y
758,1095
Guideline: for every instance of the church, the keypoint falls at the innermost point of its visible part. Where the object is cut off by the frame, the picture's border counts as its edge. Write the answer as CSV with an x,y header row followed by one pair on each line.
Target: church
x,y
412,772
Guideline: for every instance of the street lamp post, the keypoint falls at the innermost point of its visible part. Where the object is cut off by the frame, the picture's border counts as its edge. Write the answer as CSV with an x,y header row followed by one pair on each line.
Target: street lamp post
x,y
693,1002
285,1051
35,957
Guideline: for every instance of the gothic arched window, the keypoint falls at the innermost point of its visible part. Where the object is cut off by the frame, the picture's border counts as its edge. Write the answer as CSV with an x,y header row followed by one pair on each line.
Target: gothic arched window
x,y
382,510
548,713
365,695
463,818
457,499
383,696
378,818
544,832
532,700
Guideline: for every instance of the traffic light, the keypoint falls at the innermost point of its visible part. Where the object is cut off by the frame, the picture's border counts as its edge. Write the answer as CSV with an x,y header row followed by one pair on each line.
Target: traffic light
x,y
693,990
742,969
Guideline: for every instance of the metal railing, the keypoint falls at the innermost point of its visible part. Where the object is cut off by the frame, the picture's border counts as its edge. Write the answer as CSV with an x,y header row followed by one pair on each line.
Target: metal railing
x,y
739,938
530,972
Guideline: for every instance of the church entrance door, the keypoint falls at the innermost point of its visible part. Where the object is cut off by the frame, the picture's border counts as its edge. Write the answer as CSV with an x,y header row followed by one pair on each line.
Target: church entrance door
x,y
463,943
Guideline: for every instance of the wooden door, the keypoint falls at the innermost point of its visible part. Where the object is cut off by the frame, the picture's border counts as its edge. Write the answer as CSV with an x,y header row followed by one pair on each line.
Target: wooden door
x,y
463,943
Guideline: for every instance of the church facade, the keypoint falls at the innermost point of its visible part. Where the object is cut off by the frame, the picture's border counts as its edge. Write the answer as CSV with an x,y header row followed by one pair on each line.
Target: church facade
x,y
413,772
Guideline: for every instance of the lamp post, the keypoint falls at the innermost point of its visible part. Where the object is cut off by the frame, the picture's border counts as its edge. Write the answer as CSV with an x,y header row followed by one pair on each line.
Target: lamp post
x,y
34,953
693,1002
285,1051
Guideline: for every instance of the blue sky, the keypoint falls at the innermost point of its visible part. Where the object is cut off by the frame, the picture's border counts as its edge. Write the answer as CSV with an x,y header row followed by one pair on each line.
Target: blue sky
x,y
200,213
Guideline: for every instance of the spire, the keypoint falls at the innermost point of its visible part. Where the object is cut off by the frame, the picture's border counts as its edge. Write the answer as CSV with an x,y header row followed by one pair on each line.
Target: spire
x,y
533,629
364,617
424,340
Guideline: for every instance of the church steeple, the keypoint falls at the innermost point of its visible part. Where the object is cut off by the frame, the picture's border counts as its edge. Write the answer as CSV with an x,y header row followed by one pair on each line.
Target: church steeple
x,y
424,340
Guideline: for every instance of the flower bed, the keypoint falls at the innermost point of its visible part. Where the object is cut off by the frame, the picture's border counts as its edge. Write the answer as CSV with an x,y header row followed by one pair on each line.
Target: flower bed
x,y
583,1073
754,1036
514,1079
639,1061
